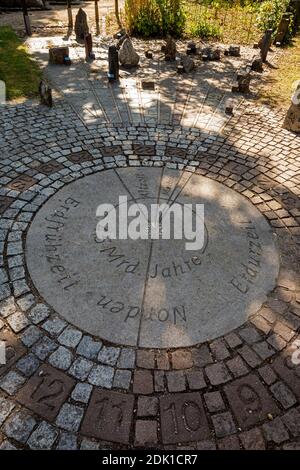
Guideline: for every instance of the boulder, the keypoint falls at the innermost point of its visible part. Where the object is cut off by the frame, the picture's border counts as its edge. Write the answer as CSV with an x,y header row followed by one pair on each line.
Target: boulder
x,y
81,25
188,64
128,57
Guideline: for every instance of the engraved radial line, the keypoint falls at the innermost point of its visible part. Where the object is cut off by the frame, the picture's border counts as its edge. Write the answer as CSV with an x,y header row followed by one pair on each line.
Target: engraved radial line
x,y
169,199
123,184
148,267
129,192
178,181
181,188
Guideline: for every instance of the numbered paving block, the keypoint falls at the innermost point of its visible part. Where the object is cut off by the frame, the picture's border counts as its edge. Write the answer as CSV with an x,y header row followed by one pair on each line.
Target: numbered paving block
x,y
79,157
46,391
111,151
13,350
175,152
50,167
182,418
289,371
21,183
5,202
250,401
264,182
109,416
141,149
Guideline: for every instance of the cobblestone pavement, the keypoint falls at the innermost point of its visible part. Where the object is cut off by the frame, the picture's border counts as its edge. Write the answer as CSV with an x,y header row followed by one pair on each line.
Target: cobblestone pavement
x,y
238,391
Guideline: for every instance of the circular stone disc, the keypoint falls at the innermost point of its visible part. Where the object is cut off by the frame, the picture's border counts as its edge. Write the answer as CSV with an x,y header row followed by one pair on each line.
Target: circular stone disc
x,y
151,293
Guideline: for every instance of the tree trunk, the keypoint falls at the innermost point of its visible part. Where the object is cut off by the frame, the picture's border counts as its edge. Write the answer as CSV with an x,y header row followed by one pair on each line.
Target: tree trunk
x,y
97,18
26,18
117,13
70,17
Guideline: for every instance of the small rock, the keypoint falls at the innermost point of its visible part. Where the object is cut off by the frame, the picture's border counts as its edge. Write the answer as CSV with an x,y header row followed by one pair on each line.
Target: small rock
x,y
149,54
128,57
234,51
229,107
211,53
257,64
188,64
191,48
242,82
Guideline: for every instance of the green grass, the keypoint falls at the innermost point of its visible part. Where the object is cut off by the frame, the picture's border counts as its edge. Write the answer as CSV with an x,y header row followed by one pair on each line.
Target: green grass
x,y
279,84
231,24
18,70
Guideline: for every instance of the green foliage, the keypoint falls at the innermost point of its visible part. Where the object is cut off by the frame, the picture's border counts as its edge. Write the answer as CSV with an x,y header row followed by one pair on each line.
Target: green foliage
x,y
172,17
154,17
270,12
205,29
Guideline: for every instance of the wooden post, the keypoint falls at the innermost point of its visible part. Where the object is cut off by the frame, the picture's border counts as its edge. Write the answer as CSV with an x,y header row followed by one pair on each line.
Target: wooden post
x,y
97,18
70,16
26,18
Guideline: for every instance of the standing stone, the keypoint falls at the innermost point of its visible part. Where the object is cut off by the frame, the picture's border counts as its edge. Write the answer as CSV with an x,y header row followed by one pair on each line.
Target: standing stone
x,y
121,39
45,94
234,51
81,25
58,55
191,48
113,63
265,44
229,105
88,44
282,30
292,119
127,55
257,64
170,49
211,53
242,82
188,64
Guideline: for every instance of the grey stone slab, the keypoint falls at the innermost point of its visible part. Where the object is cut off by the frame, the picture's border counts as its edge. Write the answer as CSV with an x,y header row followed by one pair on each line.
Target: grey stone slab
x,y
151,293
